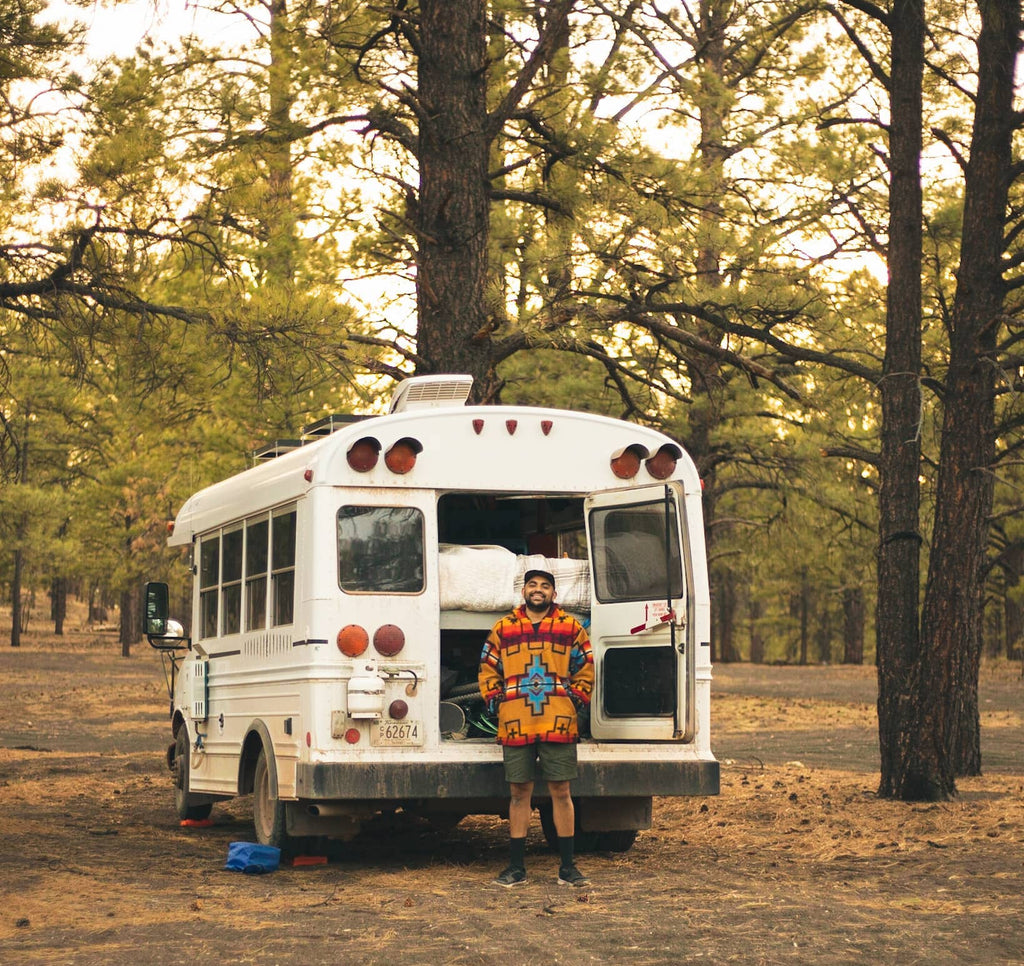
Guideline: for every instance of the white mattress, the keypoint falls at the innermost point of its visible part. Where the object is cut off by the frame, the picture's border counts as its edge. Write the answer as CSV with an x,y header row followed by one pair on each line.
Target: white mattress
x,y
491,578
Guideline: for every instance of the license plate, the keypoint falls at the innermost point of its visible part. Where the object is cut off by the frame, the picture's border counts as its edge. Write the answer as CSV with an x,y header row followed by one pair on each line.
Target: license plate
x,y
388,734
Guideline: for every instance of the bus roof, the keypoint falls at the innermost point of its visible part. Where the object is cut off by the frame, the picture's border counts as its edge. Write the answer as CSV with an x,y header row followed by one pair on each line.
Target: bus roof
x,y
496,449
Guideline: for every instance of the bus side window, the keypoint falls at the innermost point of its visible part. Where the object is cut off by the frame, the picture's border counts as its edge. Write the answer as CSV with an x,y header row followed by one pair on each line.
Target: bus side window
x,y
282,564
209,584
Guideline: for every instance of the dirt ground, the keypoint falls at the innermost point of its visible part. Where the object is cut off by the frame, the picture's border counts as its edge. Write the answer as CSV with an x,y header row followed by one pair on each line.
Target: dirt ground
x,y
796,860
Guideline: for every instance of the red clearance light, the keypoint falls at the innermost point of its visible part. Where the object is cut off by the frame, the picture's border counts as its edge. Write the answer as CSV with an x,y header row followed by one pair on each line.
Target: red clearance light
x,y
478,425
362,457
545,426
170,528
626,462
352,640
388,640
308,476
402,456
352,735
663,463
398,710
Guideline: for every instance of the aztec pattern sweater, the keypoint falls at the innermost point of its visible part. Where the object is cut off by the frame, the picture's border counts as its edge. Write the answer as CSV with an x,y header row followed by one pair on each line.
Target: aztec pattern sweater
x,y
535,679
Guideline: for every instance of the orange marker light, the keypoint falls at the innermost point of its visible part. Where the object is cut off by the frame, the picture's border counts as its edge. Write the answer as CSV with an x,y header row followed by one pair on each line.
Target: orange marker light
x,y
353,640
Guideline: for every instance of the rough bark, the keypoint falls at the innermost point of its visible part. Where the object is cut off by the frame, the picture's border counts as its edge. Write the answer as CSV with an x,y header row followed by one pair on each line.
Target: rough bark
x,y
952,614
452,216
899,499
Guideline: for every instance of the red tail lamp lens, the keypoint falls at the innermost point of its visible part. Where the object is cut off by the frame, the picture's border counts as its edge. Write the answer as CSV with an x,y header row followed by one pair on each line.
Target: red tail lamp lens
x,y
663,463
388,640
626,464
402,456
352,640
398,710
362,457
352,735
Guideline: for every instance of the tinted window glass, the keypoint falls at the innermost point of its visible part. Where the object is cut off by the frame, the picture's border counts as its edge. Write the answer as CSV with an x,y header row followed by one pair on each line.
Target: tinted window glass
x,y
380,549
282,562
256,559
630,554
209,589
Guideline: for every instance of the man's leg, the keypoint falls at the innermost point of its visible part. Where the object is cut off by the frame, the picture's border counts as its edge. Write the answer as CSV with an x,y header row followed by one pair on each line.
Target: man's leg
x,y
519,808
564,814
562,809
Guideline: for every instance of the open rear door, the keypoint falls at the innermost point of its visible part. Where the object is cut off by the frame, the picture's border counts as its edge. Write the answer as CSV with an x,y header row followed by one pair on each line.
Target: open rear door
x,y
640,628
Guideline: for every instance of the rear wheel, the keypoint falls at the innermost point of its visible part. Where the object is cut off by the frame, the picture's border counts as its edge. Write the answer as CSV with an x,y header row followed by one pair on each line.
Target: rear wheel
x,y
267,810
618,840
184,803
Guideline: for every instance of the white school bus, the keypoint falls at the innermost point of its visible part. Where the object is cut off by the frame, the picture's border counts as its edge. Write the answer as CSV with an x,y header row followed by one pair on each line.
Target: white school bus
x,y
342,591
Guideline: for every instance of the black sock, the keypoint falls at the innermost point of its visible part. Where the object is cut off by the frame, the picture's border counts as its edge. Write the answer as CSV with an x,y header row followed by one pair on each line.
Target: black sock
x,y
566,847
517,852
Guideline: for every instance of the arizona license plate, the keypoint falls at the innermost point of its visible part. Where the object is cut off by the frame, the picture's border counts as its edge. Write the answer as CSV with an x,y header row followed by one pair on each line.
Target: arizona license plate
x,y
389,734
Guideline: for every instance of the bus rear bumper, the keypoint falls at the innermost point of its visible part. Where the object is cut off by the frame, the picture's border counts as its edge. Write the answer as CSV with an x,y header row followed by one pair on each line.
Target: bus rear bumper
x,y
373,781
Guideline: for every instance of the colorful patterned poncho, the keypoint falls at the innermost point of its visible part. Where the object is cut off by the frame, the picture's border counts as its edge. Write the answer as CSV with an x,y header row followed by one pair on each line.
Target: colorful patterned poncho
x,y
535,679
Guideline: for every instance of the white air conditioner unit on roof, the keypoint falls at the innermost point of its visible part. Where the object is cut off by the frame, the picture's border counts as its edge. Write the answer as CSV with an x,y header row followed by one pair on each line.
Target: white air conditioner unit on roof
x,y
431,392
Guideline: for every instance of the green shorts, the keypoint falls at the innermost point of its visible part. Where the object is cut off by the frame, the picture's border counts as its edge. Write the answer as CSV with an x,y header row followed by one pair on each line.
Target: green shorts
x,y
557,762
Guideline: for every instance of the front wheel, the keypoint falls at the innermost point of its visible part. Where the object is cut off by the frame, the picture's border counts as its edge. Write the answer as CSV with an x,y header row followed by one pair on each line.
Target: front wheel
x,y
267,810
184,802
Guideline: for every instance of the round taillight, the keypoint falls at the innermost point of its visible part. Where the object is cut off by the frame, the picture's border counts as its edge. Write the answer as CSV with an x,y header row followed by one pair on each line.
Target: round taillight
x,y
388,640
352,735
398,710
663,463
402,456
626,463
362,457
352,640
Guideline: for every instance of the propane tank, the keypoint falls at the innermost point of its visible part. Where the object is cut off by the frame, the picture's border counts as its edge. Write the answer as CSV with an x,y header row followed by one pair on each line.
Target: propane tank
x,y
366,693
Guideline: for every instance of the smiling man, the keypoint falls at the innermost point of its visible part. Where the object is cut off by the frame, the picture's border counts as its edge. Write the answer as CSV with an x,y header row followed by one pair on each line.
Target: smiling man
x,y
536,670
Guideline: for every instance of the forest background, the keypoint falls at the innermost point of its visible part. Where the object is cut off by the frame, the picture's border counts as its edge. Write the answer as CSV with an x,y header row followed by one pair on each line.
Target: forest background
x,y
786,233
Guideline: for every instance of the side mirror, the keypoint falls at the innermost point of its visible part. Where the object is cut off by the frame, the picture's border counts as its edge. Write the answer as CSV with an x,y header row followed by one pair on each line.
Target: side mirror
x,y
161,632
155,613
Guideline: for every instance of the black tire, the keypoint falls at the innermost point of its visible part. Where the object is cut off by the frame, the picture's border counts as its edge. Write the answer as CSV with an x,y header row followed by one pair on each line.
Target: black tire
x,y
268,814
185,804
619,840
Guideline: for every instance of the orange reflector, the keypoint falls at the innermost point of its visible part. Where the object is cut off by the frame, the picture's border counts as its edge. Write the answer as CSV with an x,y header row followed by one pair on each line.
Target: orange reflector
x,y
388,640
402,456
362,457
663,463
398,710
352,640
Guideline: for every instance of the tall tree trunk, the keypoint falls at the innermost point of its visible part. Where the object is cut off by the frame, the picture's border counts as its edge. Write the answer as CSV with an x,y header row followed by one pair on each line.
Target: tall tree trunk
x,y
899,559
279,214
16,579
754,611
951,618
725,600
58,604
452,215
20,535
128,628
853,625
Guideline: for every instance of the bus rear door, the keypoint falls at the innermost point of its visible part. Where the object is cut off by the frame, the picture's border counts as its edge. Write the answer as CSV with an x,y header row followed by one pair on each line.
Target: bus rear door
x,y
640,628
